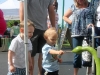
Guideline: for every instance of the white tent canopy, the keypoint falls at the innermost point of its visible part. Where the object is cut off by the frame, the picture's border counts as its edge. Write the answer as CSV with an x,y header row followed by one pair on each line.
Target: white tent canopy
x,y
10,9
10,4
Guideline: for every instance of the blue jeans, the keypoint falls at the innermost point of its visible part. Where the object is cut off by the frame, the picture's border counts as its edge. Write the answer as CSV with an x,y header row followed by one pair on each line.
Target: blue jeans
x,y
19,71
97,40
77,41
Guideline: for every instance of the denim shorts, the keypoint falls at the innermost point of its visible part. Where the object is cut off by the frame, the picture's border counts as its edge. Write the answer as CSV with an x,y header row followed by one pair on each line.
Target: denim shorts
x,y
19,71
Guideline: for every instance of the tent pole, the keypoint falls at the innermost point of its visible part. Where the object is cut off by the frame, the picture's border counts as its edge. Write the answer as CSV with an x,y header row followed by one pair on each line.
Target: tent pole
x,y
26,37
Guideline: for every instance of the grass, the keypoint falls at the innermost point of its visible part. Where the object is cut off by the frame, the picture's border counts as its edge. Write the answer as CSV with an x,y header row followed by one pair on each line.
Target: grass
x,y
66,45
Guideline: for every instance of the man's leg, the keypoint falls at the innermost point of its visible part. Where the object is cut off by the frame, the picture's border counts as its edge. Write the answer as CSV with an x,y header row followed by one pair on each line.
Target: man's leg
x,y
37,42
31,71
40,63
34,41
41,42
76,71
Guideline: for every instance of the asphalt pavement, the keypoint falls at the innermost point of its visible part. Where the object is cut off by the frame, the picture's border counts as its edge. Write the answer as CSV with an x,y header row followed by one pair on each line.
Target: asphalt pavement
x,y
66,67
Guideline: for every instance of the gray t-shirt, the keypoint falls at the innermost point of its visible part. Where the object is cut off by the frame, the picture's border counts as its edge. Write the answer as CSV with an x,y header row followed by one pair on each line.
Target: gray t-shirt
x,y
37,12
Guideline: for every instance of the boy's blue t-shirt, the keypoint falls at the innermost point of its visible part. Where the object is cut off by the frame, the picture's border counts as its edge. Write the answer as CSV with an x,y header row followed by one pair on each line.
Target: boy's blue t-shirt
x,y
48,62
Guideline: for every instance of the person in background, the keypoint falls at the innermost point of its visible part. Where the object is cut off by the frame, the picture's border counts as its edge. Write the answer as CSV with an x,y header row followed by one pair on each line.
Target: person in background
x,y
14,30
50,65
81,20
16,53
95,7
3,26
37,13
55,4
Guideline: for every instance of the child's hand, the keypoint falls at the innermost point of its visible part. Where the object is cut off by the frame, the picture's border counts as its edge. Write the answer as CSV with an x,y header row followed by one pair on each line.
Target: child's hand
x,y
59,60
12,68
61,52
55,57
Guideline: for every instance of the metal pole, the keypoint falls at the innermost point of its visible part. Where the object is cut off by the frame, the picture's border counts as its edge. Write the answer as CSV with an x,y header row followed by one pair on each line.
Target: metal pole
x,y
63,13
93,42
26,37
93,63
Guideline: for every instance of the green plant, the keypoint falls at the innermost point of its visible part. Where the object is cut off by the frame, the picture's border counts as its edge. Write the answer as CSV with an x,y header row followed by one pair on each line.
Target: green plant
x,y
11,22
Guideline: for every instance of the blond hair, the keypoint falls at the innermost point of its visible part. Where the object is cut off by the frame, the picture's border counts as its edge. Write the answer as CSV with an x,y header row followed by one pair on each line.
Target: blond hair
x,y
77,4
50,31
29,23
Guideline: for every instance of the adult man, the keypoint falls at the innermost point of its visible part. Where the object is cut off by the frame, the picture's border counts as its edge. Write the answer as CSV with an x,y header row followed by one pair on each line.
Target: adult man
x,y
37,13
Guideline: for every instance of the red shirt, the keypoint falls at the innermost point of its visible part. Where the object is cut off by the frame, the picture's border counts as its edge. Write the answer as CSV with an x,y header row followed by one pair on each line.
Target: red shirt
x,y
2,23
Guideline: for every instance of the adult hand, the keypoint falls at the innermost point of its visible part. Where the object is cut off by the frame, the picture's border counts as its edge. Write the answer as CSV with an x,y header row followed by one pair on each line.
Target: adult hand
x,y
90,25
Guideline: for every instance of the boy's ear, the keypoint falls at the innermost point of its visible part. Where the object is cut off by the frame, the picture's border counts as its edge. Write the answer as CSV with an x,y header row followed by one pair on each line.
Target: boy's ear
x,y
22,30
45,37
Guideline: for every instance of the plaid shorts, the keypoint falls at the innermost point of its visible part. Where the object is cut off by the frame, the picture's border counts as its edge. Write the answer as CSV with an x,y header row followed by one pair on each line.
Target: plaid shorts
x,y
19,71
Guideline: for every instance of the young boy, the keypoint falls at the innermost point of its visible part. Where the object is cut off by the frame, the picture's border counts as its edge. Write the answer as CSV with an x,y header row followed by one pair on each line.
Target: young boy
x,y
50,60
16,53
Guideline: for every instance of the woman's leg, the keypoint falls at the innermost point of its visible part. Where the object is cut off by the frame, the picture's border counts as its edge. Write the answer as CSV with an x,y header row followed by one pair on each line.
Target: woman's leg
x,y
77,41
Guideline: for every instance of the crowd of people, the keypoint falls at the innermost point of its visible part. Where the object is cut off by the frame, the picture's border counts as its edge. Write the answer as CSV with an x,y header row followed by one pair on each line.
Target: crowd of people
x,y
42,35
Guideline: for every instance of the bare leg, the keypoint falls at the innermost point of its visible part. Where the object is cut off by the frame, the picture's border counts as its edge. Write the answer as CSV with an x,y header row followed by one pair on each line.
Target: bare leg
x,y
76,71
40,63
89,70
31,72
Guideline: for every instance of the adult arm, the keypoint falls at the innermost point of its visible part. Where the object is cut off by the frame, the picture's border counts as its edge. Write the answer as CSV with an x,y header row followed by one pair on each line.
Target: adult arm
x,y
67,15
21,11
51,15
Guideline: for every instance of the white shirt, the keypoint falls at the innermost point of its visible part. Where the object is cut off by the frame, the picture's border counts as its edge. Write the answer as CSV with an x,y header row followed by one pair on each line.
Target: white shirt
x,y
98,17
18,47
